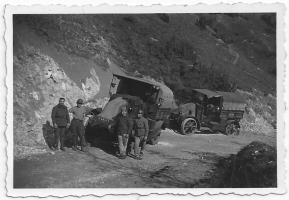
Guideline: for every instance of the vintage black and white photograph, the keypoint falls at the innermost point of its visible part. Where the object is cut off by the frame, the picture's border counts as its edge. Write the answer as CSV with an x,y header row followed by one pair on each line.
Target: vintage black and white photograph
x,y
145,100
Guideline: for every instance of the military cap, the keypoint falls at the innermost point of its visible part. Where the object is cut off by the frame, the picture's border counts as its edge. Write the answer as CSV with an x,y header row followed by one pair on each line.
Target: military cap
x,y
79,101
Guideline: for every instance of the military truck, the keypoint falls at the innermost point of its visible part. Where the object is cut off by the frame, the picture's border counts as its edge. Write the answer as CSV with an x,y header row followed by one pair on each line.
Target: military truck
x,y
214,110
154,98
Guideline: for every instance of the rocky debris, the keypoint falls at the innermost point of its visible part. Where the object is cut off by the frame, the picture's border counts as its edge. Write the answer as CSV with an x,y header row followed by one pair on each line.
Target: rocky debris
x,y
254,166
21,152
260,113
255,123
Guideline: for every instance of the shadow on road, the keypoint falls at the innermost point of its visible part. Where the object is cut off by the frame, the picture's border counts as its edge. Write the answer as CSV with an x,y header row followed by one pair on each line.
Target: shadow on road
x,y
48,134
102,139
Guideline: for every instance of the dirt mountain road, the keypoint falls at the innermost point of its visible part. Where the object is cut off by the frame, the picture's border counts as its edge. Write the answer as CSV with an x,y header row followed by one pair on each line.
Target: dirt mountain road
x,y
176,161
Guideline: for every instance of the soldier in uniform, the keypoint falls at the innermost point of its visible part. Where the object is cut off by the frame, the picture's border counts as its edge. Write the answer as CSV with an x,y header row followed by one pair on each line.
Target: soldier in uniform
x,y
77,124
60,120
141,131
123,129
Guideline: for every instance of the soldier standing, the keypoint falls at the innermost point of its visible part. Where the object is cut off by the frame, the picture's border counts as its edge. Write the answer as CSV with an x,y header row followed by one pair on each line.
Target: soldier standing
x,y
141,131
60,120
123,129
77,124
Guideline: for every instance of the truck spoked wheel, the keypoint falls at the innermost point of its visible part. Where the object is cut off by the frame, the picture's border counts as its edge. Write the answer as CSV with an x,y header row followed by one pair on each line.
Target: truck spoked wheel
x,y
231,129
189,126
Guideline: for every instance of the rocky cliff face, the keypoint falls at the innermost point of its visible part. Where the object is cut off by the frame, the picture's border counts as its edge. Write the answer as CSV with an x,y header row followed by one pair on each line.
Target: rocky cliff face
x,y
73,56
40,79
38,83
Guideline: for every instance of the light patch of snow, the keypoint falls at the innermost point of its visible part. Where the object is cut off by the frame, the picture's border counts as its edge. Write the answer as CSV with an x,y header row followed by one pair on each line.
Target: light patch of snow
x,y
168,131
165,144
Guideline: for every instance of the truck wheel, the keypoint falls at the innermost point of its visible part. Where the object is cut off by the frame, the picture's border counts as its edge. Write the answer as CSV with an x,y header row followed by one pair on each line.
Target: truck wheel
x,y
189,126
232,129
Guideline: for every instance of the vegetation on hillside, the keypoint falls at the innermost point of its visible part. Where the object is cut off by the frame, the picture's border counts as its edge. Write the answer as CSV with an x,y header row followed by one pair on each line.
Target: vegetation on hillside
x,y
215,51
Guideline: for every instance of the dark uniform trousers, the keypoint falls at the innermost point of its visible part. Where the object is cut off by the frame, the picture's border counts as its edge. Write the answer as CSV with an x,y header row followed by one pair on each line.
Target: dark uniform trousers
x,y
139,144
78,130
59,136
130,144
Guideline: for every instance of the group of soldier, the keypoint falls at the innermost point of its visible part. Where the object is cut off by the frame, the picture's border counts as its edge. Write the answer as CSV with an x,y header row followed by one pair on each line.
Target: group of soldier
x,y
131,133
61,122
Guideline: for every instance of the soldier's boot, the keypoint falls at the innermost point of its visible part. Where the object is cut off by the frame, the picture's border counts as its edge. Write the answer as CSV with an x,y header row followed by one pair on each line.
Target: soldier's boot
x,y
138,157
123,155
84,149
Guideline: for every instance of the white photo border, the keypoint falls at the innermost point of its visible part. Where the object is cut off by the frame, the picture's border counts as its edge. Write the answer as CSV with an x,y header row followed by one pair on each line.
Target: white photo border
x,y
198,8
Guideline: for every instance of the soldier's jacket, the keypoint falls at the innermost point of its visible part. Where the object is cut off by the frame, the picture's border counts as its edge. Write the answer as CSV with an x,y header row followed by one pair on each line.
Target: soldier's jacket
x,y
123,125
60,115
80,112
141,127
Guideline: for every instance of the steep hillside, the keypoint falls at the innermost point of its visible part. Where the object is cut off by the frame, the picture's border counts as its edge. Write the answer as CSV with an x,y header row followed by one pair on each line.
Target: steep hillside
x,y
73,56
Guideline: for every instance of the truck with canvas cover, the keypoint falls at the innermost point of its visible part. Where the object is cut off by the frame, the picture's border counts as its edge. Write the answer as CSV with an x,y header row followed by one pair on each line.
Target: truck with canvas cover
x,y
216,110
154,98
